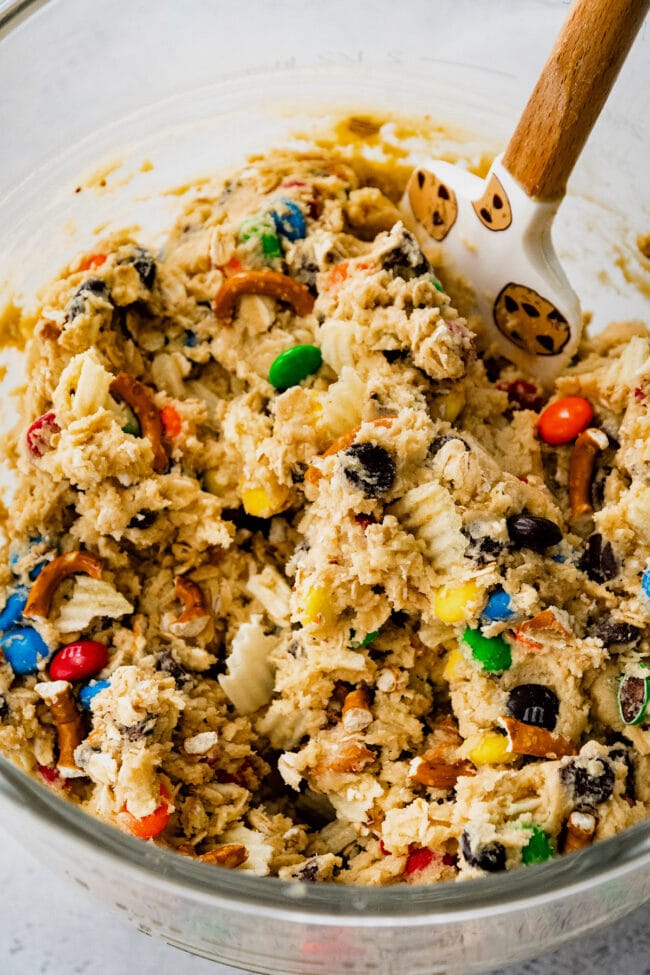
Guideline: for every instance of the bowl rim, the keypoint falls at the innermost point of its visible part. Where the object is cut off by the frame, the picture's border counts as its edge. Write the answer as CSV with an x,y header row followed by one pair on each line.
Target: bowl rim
x,y
607,862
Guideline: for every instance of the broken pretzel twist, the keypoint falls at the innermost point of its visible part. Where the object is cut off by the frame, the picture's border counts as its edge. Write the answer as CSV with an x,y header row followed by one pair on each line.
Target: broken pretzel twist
x,y
270,283
42,592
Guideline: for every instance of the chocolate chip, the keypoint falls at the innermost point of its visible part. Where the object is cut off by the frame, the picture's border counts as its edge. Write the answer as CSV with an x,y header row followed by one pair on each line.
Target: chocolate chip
x,y
530,309
482,547
393,355
369,467
399,618
615,631
485,213
510,303
139,730
144,263
546,342
598,560
306,273
143,519
78,304
405,259
168,664
491,857
4,708
531,531
439,442
534,704
248,522
589,781
308,871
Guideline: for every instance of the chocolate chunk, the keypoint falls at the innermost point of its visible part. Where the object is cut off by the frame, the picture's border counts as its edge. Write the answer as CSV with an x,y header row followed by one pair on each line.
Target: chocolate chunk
x,y
308,871
482,547
168,663
598,560
4,708
250,523
144,263
139,730
589,781
621,753
369,467
306,273
615,631
534,704
491,857
78,304
531,531
393,355
405,259
439,442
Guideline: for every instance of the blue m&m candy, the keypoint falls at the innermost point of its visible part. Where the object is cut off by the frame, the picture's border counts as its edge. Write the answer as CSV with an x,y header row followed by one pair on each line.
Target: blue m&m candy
x,y
23,648
645,583
16,557
13,609
498,607
289,220
87,693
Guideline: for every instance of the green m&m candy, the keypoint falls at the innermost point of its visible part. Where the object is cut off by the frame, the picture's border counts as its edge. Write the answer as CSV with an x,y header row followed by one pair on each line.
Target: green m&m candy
x,y
492,652
294,365
263,229
539,847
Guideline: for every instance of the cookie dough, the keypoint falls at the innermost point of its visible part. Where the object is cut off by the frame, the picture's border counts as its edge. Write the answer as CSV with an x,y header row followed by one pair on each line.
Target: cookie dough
x,y
293,583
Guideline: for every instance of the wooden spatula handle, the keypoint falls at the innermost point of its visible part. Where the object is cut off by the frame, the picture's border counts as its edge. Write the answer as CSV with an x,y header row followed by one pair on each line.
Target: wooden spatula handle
x,y
571,92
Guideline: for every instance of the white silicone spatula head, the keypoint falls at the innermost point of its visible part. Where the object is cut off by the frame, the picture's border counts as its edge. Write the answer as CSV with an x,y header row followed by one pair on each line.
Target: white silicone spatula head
x,y
495,233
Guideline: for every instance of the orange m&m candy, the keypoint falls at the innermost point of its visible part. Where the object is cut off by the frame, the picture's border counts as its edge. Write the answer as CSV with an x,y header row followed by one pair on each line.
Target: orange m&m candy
x,y
563,420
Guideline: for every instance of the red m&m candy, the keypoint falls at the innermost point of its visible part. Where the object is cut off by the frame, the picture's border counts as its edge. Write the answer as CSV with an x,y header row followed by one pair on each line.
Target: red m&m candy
x,y
563,420
79,661
40,432
419,860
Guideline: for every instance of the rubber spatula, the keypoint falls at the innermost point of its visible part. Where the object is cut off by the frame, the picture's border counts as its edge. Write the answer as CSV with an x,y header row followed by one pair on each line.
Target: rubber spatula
x,y
495,233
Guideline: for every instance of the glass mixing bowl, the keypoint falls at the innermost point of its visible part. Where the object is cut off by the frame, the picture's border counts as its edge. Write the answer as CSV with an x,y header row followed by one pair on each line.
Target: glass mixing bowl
x,y
127,98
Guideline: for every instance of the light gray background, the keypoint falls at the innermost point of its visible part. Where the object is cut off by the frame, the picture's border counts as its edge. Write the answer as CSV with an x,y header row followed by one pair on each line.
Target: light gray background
x,y
50,927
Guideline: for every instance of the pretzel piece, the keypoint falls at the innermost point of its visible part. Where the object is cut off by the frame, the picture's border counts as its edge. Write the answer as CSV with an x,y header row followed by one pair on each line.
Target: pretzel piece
x,y
529,739
69,723
580,831
356,714
439,775
42,592
264,282
581,471
136,395
191,595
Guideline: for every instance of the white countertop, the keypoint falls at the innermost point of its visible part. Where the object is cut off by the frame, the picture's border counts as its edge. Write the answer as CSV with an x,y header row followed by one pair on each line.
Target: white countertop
x,y
50,927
